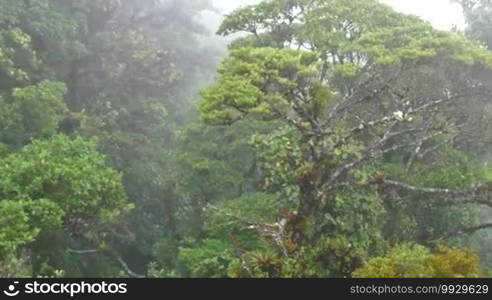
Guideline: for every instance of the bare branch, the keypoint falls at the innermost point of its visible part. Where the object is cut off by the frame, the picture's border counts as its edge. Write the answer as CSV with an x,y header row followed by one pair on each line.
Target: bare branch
x,y
480,195
126,268
462,231
83,251
111,253
374,151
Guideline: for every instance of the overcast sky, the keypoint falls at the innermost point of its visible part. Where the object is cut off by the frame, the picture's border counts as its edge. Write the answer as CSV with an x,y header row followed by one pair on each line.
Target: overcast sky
x,y
440,12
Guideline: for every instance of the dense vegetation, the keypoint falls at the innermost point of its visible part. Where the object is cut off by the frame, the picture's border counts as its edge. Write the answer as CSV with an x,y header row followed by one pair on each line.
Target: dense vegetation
x,y
335,139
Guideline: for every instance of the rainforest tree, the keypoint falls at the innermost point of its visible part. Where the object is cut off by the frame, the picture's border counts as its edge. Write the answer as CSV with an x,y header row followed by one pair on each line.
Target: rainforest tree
x,y
57,187
352,90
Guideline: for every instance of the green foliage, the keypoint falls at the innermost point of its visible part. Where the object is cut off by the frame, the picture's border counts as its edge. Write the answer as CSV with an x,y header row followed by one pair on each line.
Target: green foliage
x,y
404,261
209,260
32,112
229,216
406,221
16,230
31,34
279,156
256,81
232,219
449,263
227,229
257,264
455,169
329,257
414,261
69,173
356,214
15,267
53,185
263,81
212,164
166,254
347,31
211,160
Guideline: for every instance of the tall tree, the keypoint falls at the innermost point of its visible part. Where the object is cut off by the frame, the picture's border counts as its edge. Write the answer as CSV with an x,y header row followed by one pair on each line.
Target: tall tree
x,y
353,89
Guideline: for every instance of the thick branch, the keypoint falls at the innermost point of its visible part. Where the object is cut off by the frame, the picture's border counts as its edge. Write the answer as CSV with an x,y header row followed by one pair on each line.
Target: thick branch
x,y
126,268
480,195
113,254
83,251
374,151
463,231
